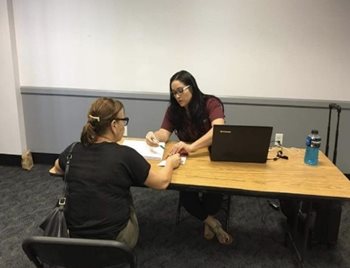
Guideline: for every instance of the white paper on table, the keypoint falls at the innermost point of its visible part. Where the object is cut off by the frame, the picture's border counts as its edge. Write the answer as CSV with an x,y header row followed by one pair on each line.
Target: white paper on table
x,y
182,161
148,152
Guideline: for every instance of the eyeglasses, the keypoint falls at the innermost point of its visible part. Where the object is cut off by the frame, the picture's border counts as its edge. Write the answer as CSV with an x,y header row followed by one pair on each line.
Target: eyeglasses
x,y
125,120
179,90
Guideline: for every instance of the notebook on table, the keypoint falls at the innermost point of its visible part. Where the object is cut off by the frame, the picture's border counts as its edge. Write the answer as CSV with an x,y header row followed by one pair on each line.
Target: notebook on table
x,y
240,143
148,152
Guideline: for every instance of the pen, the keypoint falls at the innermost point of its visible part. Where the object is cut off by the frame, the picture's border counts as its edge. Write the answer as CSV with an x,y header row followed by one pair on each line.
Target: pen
x,y
161,146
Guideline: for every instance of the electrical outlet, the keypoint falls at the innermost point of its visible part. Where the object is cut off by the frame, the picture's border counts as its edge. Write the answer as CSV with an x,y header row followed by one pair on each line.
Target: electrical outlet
x,y
125,131
278,138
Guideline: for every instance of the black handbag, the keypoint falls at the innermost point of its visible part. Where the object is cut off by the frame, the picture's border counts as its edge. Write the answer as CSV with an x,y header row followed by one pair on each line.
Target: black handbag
x,y
55,223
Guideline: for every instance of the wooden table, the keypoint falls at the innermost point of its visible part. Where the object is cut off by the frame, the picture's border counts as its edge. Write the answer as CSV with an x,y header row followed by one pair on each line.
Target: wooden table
x,y
280,178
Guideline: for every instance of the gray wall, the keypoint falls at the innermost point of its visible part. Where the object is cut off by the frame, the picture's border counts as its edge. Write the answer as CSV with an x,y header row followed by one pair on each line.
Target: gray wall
x,y
54,117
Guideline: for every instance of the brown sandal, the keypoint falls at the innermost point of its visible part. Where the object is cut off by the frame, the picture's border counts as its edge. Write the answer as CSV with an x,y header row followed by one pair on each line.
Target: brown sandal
x,y
208,233
223,237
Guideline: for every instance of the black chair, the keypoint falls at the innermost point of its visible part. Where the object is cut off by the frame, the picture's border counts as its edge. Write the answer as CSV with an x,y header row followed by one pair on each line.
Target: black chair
x,y
76,252
225,207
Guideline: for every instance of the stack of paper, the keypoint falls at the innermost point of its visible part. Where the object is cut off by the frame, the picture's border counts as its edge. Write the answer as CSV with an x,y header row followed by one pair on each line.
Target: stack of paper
x,y
148,152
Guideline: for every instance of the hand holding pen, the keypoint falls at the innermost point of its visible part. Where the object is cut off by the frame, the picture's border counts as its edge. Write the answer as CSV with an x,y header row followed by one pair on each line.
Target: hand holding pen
x,y
152,140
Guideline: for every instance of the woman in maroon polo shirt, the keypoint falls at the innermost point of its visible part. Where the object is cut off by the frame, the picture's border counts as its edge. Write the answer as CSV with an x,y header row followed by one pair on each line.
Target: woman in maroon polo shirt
x,y
191,116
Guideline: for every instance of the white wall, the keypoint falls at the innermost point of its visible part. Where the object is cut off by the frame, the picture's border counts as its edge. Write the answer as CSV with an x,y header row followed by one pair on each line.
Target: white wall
x,y
12,137
256,48
259,48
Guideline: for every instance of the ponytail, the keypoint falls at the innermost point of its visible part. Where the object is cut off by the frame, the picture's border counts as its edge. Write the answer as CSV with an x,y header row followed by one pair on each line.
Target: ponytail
x,y
88,135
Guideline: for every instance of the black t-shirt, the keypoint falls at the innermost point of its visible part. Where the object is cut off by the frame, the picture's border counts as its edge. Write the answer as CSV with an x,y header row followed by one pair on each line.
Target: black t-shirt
x,y
99,179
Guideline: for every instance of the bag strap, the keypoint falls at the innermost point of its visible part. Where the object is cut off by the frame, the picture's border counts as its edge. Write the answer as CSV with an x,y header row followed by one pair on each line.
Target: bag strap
x,y
62,200
69,157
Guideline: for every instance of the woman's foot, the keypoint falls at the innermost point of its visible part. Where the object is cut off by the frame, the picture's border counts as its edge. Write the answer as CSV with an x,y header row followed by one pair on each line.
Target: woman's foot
x,y
222,236
208,233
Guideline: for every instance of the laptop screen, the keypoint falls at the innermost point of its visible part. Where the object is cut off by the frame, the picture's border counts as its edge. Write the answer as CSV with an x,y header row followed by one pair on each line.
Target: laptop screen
x,y
240,143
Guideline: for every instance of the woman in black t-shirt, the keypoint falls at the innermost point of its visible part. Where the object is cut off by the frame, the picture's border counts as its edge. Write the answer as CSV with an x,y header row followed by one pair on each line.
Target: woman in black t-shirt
x,y
99,203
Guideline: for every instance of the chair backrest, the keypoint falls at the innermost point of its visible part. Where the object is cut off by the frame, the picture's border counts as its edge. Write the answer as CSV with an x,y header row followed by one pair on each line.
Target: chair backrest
x,y
77,252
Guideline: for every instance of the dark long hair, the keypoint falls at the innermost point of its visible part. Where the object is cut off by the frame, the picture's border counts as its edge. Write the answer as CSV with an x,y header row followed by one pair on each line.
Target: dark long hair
x,y
196,107
102,112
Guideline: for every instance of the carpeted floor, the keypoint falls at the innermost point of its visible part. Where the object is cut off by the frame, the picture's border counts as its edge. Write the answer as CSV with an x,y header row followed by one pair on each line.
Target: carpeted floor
x,y
27,196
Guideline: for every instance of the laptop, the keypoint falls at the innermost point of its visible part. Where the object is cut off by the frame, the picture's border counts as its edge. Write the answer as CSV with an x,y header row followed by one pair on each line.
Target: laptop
x,y
240,143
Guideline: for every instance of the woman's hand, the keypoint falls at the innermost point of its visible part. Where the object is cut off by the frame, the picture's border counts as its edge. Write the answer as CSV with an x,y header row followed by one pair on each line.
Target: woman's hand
x,y
56,170
174,160
181,148
151,139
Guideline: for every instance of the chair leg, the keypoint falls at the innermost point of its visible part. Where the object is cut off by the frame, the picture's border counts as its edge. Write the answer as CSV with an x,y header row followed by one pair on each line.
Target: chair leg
x,y
227,222
178,212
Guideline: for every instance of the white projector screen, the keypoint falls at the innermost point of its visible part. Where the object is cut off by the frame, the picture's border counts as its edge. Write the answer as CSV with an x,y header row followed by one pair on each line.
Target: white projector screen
x,y
255,48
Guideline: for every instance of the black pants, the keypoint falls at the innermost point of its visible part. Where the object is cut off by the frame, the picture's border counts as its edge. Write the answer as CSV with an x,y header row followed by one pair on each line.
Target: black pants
x,y
290,208
200,205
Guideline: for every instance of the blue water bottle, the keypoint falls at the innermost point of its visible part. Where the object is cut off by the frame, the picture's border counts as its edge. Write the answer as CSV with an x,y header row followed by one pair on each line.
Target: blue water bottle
x,y
313,143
